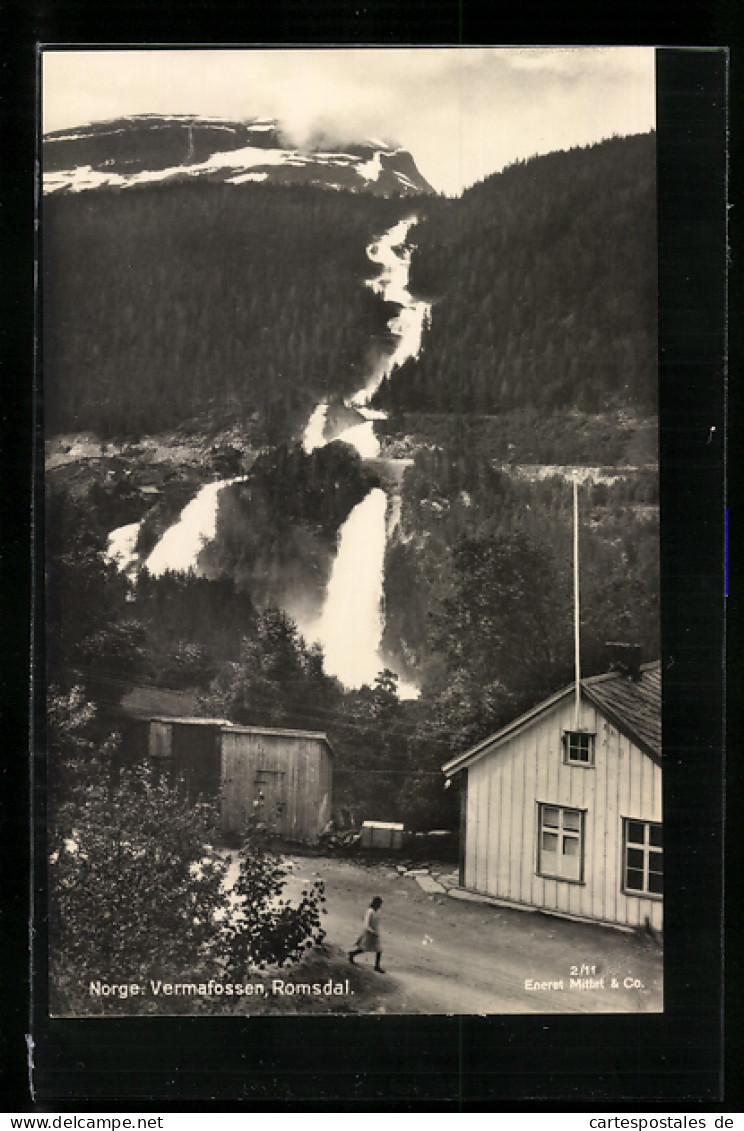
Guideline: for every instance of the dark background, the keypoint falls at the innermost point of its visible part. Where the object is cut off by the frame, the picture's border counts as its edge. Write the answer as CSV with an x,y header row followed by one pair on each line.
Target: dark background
x,y
674,1061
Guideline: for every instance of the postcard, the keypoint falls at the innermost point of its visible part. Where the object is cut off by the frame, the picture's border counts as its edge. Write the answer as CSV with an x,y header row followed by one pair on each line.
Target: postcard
x,y
351,426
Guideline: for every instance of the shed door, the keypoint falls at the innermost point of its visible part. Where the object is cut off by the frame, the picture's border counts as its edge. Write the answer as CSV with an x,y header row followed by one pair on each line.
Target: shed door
x,y
197,757
271,797
160,740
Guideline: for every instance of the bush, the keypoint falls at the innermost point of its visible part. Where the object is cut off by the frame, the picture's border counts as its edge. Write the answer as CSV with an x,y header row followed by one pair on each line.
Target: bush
x,y
139,891
135,882
263,928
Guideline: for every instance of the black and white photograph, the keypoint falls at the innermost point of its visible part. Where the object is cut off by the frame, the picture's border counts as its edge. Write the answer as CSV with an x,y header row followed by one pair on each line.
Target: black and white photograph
x,y
352,534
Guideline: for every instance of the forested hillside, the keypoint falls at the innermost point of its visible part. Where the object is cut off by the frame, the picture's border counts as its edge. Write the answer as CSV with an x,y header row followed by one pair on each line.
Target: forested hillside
x,y
543,279
174,302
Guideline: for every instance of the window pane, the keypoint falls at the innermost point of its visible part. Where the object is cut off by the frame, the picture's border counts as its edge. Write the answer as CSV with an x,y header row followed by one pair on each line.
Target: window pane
x,y
572,820
634,880
560,842
572,867
655,884
578,746
635,858
656,862
654,835
635,832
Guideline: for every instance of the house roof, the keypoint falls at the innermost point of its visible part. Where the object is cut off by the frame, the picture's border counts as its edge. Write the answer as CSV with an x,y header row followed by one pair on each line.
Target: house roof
x,y
633,706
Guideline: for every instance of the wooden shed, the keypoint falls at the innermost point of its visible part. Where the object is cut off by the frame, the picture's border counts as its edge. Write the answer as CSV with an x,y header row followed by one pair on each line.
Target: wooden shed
x,y
281,777
562,808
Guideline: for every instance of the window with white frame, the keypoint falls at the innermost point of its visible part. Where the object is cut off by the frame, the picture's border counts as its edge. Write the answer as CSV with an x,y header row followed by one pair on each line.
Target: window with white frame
x,y
578,748
643,869
560,846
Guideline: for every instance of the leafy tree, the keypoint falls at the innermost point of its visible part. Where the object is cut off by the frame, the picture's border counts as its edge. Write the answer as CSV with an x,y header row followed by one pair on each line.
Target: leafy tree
x,y
264,928
509,617
192,624
138,889
92,639
277,679
187,665
70,719
134,878
371,731
459,713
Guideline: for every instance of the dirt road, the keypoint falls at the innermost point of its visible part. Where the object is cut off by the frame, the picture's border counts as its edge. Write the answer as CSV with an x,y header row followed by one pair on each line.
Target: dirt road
x,y
442,955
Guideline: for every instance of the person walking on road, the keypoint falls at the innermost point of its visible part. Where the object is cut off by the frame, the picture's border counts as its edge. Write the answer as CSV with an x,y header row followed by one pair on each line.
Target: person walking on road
x,y
370,937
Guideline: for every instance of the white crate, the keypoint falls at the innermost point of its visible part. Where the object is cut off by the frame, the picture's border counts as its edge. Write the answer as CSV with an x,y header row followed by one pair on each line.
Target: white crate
x,y
382,834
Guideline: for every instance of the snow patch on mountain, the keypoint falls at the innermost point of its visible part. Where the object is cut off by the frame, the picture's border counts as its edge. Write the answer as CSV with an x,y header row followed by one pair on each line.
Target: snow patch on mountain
x,y
95,161
243,177
84,177
371,169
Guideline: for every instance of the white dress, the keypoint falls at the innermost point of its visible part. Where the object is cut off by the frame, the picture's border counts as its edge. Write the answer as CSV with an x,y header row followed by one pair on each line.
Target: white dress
x,y
370,936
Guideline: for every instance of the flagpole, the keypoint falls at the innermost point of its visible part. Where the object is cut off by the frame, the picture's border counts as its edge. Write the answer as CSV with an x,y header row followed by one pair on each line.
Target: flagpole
x,y
577,654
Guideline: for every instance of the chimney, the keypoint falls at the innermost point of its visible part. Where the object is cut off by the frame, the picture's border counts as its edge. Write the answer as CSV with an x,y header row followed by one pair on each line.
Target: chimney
x,y
625,658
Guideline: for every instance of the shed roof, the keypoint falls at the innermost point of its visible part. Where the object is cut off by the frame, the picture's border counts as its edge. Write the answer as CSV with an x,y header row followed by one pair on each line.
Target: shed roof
x,y
148,702
279,732
190,720
236,728
633,706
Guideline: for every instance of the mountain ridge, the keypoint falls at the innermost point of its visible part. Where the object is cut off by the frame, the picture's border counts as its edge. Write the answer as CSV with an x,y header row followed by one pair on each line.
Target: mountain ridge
x,y
151,148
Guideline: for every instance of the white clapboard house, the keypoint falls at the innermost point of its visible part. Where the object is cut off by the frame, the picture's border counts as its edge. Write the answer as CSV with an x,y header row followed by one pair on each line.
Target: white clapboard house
x,y
562,809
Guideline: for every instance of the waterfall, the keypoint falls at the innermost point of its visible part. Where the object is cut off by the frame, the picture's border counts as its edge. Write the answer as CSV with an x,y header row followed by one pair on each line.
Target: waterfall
x,y
362,437
392,284
406,327
179,548
313,435
350,625
121,546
